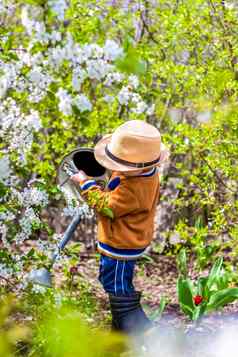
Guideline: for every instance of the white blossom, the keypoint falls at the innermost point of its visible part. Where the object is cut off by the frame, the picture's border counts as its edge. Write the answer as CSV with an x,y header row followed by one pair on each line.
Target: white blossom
x,y
4,84
26,21
3,235
2,7
140,107
65,101
135,98
124,96
133,81
55,36
7,216
56,56
82,103
40,33
151,110
83,210
30,75
175,238
34,27
175,114
26,58
92,51
35,75
114,77
5,271
34,197
58,7
112,50
78,77
204,117
38,289
67,194
230,6
98,69
29,218
109,98
5,170
33,121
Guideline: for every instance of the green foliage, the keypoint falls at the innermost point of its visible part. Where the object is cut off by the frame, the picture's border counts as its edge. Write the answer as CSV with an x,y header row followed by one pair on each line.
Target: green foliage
x,y
207,293
182,263
185,290
155,315
57,331
95,200
66,335
222,298
185,55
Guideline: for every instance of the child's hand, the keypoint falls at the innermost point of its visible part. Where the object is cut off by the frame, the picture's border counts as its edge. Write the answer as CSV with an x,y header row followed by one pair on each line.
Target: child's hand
x,y
79,177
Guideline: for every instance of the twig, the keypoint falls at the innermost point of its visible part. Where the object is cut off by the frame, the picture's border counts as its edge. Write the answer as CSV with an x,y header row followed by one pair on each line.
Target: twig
x,y
233,57
7,280
150,34
215,173
176,7
13,49
167,103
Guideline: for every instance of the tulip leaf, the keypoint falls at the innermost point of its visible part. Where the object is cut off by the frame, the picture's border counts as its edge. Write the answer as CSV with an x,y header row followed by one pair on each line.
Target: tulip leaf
x,y
182,262
185,295
158,312
222,298
214,273
202,287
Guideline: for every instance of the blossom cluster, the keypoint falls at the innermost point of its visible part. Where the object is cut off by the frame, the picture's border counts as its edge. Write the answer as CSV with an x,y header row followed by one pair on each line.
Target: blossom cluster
x,y
17,128
46,70
86,63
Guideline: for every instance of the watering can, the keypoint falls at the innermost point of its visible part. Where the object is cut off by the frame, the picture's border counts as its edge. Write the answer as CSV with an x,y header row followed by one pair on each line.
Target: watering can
x,y
78,159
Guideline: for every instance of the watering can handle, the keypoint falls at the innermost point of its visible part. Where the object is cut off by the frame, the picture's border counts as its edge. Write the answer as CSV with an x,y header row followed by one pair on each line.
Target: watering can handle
x,y
67,235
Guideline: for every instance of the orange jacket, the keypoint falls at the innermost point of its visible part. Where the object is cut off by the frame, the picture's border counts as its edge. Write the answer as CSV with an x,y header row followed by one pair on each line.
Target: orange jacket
x,y
133,203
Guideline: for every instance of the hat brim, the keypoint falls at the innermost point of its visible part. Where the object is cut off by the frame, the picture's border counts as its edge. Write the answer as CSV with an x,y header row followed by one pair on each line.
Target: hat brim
x,y
108,163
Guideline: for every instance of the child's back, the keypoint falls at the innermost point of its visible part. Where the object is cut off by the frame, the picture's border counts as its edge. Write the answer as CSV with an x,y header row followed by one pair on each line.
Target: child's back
x,y
126,210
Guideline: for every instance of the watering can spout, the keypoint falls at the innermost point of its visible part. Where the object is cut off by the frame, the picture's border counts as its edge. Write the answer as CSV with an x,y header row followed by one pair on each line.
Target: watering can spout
x,y
43,276
79,159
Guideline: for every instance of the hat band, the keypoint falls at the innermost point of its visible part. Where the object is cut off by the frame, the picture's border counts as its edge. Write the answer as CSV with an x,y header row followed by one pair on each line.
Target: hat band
x,y
128,163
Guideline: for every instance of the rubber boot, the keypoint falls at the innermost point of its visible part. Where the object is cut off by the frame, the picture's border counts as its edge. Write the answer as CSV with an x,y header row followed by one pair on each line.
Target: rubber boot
x,y
128,315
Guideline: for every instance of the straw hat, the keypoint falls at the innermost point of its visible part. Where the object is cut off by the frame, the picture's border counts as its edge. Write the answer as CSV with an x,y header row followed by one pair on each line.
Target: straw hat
x,y
134,145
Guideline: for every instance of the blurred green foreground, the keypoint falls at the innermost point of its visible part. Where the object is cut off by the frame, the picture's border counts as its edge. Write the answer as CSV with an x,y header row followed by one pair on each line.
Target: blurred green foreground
x,y
58,332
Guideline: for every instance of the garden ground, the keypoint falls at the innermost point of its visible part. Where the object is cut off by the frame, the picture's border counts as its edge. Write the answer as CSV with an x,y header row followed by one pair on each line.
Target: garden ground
x,y
156,277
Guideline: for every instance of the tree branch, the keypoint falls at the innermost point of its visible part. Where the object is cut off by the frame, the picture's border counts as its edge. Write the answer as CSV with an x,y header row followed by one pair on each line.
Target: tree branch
x,y
216,174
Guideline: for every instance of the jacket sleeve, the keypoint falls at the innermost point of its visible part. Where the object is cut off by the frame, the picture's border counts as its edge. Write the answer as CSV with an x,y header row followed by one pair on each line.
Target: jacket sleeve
x,y
117,203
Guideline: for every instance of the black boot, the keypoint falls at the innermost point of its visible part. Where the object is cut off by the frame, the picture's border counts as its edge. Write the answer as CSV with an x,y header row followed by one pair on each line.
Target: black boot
x,y
128,315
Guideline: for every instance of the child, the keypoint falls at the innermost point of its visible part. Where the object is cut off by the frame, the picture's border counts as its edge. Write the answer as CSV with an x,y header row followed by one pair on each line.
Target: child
x,y
126,211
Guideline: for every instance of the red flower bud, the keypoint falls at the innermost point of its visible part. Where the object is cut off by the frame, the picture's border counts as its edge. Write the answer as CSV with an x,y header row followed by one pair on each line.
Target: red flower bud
x,y
73,270
197,299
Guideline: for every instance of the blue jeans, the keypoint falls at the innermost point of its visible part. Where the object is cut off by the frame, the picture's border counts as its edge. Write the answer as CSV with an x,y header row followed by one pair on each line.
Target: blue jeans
x,y
116,275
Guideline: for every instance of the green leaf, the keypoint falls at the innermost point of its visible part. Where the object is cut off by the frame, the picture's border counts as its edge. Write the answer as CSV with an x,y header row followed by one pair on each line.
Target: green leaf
x,y
196,313
158,312
185,290
223,281
214,273
222,298
131,63
182,263
3,189
202,287
106,211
